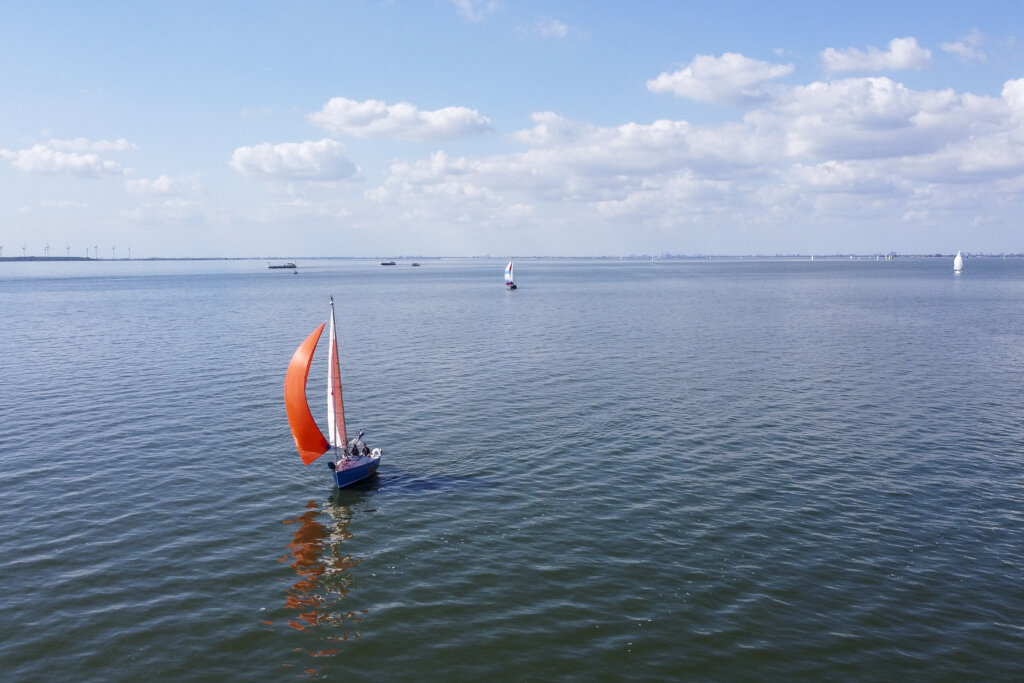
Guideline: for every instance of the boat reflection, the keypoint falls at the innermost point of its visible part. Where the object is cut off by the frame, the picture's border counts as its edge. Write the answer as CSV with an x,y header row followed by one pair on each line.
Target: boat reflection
x,y
324,572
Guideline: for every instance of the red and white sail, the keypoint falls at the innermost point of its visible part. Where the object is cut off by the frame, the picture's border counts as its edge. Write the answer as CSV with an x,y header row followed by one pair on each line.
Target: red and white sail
x,y
335,407
309,440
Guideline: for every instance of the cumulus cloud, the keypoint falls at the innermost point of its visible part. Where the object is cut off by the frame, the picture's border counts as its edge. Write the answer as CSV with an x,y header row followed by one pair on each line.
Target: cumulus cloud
x,y
1013,95
903,53
938,136
730,79
968,49
871,118
401,121
321,160
72,157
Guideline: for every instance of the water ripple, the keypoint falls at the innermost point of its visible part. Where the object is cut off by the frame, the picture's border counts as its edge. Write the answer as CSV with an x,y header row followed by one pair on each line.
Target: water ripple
x,y
698,470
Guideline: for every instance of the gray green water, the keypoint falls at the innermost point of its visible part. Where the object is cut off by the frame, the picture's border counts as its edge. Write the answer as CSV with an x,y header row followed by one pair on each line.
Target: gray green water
x,y
695,469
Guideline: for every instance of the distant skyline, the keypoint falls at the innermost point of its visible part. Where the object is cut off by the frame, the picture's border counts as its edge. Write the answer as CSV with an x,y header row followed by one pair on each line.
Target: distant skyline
x,y
473,127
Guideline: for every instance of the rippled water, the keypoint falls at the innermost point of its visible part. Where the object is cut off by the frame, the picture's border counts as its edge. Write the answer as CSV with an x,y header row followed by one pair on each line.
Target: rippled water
x,y
697,469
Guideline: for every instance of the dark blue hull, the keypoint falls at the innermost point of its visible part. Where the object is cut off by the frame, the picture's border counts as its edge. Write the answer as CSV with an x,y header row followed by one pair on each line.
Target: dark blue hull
x,y
348,472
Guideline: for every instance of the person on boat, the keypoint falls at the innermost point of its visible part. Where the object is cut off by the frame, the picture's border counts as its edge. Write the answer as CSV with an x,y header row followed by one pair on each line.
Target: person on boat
x,y
355,450
366,450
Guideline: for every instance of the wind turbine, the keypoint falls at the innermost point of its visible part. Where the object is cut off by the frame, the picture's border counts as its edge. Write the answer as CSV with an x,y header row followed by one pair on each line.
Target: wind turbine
x,y
23,248
69,250
113,250
1,251
96,252
46,250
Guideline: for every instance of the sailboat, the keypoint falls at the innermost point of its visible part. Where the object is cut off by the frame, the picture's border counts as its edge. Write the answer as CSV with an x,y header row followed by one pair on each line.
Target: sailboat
x,y
351,465
509,281
958,263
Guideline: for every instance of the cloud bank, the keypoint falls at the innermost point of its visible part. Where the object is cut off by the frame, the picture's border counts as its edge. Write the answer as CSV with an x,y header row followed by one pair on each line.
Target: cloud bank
x,y
841,153
851,148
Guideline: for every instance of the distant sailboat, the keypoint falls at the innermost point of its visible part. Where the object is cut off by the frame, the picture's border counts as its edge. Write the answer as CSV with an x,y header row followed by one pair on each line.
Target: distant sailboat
x,y
309,440
509,279
958,263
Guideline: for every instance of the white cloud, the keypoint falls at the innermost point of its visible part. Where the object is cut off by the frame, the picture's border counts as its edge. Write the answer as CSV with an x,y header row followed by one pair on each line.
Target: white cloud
x,y
476,10
550,28
551,129
84,145
401,121
676,199
322,160
565,160
731,78
162,185
968,49
1013,95
859,118
851,177
170,212
903,53
65,204
71,157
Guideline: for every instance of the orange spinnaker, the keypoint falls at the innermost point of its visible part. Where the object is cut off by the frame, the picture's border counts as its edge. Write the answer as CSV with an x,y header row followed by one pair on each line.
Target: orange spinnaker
x,y
308,438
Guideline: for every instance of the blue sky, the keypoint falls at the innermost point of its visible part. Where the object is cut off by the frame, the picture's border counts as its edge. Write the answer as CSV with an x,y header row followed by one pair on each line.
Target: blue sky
x,y
469,127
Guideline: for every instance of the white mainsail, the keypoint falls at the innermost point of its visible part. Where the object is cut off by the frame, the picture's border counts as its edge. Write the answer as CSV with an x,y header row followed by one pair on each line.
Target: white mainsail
x,y
335,407
958,262
508,274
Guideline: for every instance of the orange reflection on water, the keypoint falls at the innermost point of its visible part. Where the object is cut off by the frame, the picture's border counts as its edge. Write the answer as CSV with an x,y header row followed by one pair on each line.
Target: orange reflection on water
x,y
322,569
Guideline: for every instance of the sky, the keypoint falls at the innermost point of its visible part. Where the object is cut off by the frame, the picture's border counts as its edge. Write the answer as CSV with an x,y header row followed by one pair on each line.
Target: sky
x,y
505,128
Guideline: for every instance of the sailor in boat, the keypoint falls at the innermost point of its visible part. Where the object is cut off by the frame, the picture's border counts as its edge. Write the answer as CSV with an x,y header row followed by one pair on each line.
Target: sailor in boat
x,y
357,443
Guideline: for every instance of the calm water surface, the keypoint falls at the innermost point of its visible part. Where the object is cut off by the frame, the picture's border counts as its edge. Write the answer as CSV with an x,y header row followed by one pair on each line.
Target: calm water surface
x,y
648,470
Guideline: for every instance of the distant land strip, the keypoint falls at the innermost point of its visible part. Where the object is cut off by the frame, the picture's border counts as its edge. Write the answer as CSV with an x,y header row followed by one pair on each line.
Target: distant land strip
x,y
631,257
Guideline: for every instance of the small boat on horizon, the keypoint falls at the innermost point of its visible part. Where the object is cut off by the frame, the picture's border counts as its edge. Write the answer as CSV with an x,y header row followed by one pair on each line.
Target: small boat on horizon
x,y
509,279
281,265
354,460
387,263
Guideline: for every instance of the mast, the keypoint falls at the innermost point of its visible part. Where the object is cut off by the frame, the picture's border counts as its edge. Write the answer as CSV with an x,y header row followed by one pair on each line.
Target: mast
x,y
335,406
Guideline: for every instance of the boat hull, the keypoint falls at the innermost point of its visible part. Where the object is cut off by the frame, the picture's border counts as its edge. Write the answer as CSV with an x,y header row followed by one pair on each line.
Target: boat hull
x,y
354,470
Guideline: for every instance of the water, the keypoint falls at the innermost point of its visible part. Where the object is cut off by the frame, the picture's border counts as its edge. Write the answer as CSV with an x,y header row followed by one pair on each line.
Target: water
x,y
697,469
